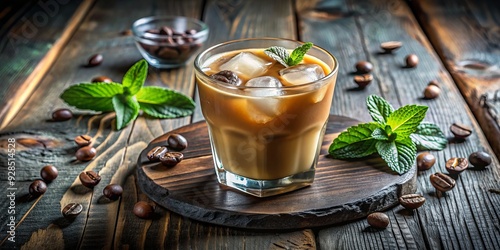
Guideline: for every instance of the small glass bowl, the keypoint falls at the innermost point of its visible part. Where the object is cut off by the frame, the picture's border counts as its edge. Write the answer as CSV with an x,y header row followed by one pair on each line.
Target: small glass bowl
x,y
169,41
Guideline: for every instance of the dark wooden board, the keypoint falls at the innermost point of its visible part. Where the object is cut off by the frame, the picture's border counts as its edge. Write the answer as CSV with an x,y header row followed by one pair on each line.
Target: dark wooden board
x,y
342,190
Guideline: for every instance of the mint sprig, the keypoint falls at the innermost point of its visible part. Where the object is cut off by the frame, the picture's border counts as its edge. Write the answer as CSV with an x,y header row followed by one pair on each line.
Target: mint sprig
x,y
129,97
394,134
281,55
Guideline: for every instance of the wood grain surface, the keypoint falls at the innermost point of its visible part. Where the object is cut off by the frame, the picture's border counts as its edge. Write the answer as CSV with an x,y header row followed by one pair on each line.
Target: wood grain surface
x,y
466,36
342,191
444,34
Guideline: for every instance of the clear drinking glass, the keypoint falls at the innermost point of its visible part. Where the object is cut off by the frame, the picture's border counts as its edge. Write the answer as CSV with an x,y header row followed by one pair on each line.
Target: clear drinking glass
x,y
265,140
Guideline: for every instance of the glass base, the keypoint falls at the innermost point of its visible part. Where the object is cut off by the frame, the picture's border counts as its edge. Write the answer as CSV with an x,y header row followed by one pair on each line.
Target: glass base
x,y
265,188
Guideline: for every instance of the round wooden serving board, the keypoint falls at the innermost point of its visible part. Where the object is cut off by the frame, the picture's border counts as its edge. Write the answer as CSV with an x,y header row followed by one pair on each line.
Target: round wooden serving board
x,y
342,190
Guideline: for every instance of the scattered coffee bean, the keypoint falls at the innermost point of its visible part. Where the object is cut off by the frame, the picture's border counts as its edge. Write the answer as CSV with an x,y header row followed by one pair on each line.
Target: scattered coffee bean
x,y
412,201
126,32
460,131
143,210
432,90
456,166
95,60
102,79
425,161
89,179
363,80
156,153
227,76
411,61
83,140
177,142
442,182
62,115
378,220
391,46
37,188
363,67
493,190
86,153
49,173
72,210
480,160
171,159
112,191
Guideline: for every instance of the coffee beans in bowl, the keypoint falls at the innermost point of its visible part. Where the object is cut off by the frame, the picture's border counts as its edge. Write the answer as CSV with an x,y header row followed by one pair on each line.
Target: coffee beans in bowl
x,y
169,41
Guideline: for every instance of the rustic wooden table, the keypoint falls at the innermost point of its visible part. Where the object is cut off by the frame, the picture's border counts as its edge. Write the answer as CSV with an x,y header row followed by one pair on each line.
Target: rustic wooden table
x,y
43,45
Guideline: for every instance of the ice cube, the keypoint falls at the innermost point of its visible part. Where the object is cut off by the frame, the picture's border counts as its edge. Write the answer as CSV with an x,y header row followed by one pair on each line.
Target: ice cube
x,y
247,65
264,105
302,73
264,110
272,83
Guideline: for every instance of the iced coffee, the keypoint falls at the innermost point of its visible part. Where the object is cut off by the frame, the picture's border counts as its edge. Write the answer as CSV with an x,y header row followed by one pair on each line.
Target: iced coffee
x,y
266,119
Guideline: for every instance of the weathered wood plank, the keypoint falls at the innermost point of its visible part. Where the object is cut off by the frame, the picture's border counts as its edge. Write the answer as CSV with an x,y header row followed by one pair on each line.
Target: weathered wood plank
x,y
106,225
466,37
33,34
447,222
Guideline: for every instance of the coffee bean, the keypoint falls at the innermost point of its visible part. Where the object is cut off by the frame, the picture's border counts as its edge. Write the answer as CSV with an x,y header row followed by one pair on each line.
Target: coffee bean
x,y
363,80
37,188
86,153
391,46
126,32
177,142
72,210
167,53
167,31
89,179
113,191
363,67
171,159
102,79
431,92
156,153
456,165
227,76
412,201
442,182
460,131
480,159
378,220
95,60
143,210
83,140
411,61
49,173
425,161
190,32
62,115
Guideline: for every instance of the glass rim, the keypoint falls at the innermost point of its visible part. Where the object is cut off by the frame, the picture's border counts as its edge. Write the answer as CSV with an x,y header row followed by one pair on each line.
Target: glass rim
x,y
202,32
198,66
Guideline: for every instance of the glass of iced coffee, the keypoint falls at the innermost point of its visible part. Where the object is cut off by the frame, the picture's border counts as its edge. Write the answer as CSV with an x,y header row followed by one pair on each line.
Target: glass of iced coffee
x,y
266,118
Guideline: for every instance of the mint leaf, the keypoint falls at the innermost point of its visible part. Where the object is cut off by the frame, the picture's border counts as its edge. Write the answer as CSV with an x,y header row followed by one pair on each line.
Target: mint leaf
x,y
356,142
380,134
164,103
279,54
399,155
126,108
135,77
93,96
429,136
298,54
379,108
405,120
